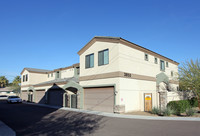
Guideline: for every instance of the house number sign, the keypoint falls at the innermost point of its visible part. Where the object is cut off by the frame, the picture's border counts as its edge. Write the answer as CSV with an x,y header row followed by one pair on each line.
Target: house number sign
x,y
127,74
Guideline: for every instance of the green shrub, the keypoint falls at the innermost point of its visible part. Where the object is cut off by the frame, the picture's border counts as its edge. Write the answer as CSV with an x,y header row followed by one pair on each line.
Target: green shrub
x,y
193,102
167,112
155,110
179,106
190,112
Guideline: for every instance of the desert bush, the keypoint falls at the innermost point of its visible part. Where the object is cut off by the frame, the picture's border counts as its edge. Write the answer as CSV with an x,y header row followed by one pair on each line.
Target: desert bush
x,y
167,112
190,112
179,107
155,110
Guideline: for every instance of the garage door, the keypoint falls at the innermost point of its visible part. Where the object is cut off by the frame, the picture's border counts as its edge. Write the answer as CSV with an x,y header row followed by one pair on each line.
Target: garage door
x,y
55,97
24,95
99,99
40,96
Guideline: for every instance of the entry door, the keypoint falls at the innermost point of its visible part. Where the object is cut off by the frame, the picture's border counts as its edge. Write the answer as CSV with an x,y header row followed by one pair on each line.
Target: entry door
x,y
73,101
147,102
30,97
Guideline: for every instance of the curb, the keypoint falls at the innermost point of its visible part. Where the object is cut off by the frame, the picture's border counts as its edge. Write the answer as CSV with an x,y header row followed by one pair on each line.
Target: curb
x,y
120,115
5,130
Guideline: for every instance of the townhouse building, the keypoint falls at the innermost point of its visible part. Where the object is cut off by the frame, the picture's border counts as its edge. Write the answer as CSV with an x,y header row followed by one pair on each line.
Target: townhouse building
x,y
114,75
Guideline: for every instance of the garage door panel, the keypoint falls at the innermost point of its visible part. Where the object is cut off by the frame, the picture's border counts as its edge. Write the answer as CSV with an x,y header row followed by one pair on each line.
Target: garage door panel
x,y
99,99
40,96
55,97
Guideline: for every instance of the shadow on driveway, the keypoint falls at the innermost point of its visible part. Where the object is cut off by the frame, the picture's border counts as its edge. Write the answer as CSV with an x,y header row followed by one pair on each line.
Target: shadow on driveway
x,y
31,120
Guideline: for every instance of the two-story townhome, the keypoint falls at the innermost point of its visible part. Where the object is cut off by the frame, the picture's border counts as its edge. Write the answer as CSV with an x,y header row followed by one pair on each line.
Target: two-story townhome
x,y
114,75
51,87
120,76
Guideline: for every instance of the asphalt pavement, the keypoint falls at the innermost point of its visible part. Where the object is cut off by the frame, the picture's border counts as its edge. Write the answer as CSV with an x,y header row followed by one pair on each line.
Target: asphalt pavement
x,y
33,120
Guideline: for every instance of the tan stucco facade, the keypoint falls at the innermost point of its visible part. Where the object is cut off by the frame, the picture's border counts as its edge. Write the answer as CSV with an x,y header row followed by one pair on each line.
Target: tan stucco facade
x,y
131,74
127,71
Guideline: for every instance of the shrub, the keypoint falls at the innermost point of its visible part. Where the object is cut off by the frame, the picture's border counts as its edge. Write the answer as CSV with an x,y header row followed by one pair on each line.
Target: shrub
x,y
179,106
167,112
193,102
155,110
190,112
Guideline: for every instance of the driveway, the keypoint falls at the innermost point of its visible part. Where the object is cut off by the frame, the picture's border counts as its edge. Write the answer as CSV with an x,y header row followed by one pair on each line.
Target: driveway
x,y
32,120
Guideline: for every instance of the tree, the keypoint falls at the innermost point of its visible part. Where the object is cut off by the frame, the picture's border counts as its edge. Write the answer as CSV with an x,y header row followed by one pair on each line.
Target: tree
x,y
17,80
16,84
3,81
189,77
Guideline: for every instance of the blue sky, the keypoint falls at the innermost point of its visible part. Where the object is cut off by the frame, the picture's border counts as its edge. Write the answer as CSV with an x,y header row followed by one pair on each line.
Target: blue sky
x,y
47,34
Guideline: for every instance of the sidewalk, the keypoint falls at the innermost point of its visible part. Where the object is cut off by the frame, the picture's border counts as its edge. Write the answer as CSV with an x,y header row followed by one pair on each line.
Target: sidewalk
x,y
5,130
121,115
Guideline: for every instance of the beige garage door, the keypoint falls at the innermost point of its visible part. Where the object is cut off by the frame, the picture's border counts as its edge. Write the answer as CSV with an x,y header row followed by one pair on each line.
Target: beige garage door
x,y
99,99
40,96
24,95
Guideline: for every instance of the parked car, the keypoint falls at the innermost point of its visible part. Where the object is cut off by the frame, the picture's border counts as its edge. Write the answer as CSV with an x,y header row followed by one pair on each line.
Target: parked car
x,y
14,99
3,97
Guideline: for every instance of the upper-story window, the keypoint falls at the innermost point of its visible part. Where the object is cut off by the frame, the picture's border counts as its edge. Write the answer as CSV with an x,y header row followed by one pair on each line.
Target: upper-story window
x,y
156,60
51,74
89,61
78,70
26,77
162,65
48,75
103,57
146,57
58,74
167,64
23,78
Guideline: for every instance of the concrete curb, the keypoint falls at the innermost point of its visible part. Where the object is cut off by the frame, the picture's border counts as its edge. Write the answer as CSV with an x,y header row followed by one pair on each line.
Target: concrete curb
x,y
5,130
121,115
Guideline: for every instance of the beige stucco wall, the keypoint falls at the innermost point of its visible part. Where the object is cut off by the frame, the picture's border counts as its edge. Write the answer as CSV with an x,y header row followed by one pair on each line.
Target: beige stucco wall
x,y
132,61
132,93
113,59
67,73
33,78
51,77
26,82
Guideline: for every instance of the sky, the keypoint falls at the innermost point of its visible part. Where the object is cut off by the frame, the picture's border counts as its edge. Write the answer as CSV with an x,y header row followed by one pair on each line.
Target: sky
x,y
47,34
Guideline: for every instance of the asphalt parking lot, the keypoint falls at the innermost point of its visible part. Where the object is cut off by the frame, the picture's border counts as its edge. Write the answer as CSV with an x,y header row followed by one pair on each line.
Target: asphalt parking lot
x,y
32,120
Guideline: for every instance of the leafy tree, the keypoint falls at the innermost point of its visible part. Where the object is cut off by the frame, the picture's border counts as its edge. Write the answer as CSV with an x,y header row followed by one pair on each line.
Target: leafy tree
x,y
17,80
16,84
189,77
3,81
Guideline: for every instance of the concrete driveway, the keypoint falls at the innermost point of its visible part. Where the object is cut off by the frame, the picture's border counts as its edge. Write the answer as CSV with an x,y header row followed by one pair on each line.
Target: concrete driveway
x,y
32,120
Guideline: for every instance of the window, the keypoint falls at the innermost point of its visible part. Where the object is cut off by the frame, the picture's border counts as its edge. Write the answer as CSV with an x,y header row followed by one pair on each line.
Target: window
x,y
26,77
51,74
167,65
89,61
103,57
162,65
146,57
57,74
155,60
23,78
48,75
172,73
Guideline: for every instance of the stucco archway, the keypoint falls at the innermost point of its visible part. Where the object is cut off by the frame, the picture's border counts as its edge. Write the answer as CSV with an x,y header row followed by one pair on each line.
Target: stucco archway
x,y
75,88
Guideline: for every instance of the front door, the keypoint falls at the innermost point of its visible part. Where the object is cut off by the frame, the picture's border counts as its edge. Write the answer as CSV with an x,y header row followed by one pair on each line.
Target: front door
x,y
147,102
